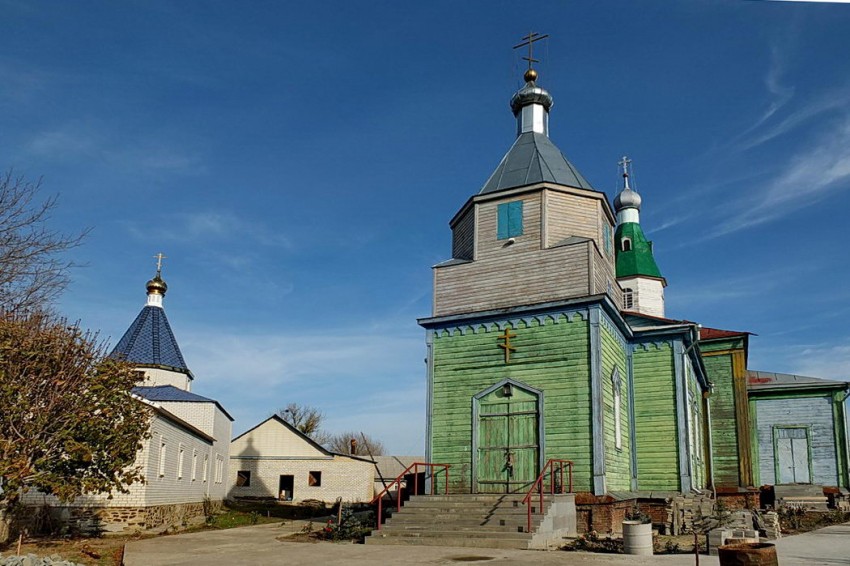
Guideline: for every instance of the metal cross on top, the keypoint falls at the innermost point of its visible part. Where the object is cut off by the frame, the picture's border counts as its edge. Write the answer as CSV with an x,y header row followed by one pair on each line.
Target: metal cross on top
x,y
624,163
506,345
159,257
529,41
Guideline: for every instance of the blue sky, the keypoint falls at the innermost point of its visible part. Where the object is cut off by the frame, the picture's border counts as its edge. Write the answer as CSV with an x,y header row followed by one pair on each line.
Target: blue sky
x,y
298,164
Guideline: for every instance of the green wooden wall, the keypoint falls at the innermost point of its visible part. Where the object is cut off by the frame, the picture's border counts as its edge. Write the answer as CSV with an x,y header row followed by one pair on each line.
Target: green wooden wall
x,y
551,357
617,461
724,434
655,427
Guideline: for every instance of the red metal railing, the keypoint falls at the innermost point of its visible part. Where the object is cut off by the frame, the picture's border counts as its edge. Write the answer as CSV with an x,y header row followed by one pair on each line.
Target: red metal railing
x,y
415,467
555,470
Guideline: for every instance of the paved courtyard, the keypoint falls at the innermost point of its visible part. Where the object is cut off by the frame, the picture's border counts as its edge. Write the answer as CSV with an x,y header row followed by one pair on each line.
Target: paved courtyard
x,y
259,545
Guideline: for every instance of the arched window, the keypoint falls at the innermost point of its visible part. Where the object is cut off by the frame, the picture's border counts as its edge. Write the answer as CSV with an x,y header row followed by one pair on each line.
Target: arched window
x,y
628,298
616,384
626,244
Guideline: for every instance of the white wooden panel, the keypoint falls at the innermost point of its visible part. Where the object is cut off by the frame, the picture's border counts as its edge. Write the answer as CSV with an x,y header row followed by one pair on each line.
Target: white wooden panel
x,y
800,455
785,459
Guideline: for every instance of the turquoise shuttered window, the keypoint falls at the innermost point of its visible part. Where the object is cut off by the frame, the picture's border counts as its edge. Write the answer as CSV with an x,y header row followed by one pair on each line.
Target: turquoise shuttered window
x,y
510,220
606,235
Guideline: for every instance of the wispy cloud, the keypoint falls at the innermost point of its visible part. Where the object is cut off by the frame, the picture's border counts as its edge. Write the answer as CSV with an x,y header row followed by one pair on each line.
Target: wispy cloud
x,y
780,94
830,102
87,141
816,171
829,360
347,373
208,226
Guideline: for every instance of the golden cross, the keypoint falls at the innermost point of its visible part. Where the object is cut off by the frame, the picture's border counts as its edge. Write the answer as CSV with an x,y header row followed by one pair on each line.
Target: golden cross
x,y
159,257
506,345
529,41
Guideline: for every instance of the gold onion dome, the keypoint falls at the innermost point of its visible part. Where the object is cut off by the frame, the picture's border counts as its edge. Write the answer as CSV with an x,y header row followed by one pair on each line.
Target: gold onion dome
x,y
531,94
157,285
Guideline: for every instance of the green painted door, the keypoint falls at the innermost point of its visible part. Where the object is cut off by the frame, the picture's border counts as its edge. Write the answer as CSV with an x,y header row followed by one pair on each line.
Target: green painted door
x,y
508,441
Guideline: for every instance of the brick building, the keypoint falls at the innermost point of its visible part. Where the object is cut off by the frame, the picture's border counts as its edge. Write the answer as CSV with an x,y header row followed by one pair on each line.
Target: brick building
x,y
184,459
274,460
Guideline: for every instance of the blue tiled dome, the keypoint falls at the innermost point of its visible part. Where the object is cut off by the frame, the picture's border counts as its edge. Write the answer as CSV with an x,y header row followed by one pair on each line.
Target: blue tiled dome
x,y
150,342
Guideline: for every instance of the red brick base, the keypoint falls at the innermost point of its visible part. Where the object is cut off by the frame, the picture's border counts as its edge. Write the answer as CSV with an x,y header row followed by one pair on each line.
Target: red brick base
x,y
606,515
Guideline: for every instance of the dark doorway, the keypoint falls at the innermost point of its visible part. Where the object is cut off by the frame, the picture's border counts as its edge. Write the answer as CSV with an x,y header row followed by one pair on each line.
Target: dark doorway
x,y
286,486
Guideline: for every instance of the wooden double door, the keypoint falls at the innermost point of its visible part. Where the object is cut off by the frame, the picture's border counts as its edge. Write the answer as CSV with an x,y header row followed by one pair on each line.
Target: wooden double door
x,y
793,455
508,439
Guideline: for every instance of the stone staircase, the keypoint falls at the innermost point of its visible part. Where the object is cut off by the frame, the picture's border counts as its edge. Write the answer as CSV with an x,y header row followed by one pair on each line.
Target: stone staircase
x,y
482,521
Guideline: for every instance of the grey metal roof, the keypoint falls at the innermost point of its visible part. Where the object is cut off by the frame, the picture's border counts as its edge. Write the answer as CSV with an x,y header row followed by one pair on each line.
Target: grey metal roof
x,y
534,159
150,341
764,380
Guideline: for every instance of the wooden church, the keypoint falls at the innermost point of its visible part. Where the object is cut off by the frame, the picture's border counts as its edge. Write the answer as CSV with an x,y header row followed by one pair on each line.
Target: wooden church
x,y
548,340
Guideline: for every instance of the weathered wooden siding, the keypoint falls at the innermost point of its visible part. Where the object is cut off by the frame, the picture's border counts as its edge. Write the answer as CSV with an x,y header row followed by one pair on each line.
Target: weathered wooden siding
x,y
816,413
463,236
510,278
550,357
655,407
605,277
724,433
571,215
617,461
487,221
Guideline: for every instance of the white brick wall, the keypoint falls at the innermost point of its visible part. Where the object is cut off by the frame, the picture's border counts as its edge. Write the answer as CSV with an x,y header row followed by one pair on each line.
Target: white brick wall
x,y
271,438
155,377
351,479
168,489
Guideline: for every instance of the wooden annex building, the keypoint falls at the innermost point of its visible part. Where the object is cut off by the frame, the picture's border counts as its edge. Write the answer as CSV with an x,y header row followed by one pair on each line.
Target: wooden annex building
x,y
548,340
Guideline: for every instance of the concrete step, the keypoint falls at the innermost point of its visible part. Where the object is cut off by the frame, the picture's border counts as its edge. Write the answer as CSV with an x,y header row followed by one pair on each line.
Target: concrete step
x,y
437,527
455,533
470,506
482,521
403,518
448,541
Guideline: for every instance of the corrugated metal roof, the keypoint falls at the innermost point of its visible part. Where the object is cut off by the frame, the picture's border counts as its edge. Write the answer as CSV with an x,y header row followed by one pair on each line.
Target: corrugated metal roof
x,y
713,333
150,341
534,159
761,380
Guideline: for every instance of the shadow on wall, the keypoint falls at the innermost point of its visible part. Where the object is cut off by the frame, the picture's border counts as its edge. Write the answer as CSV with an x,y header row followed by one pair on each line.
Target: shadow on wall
x,y
251,484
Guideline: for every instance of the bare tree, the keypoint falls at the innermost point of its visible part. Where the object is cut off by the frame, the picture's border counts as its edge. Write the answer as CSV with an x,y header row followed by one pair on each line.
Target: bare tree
x,y
342,444
307,419
32,269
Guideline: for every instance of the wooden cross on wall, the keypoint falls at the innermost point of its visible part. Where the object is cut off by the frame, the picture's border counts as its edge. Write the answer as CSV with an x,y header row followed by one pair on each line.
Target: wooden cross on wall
x,y
506,345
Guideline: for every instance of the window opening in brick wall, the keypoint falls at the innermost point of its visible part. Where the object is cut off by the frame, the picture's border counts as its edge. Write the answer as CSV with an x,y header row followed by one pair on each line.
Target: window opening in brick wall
x,y
286,487
219,466
180,456
162,451
314,479
243,478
